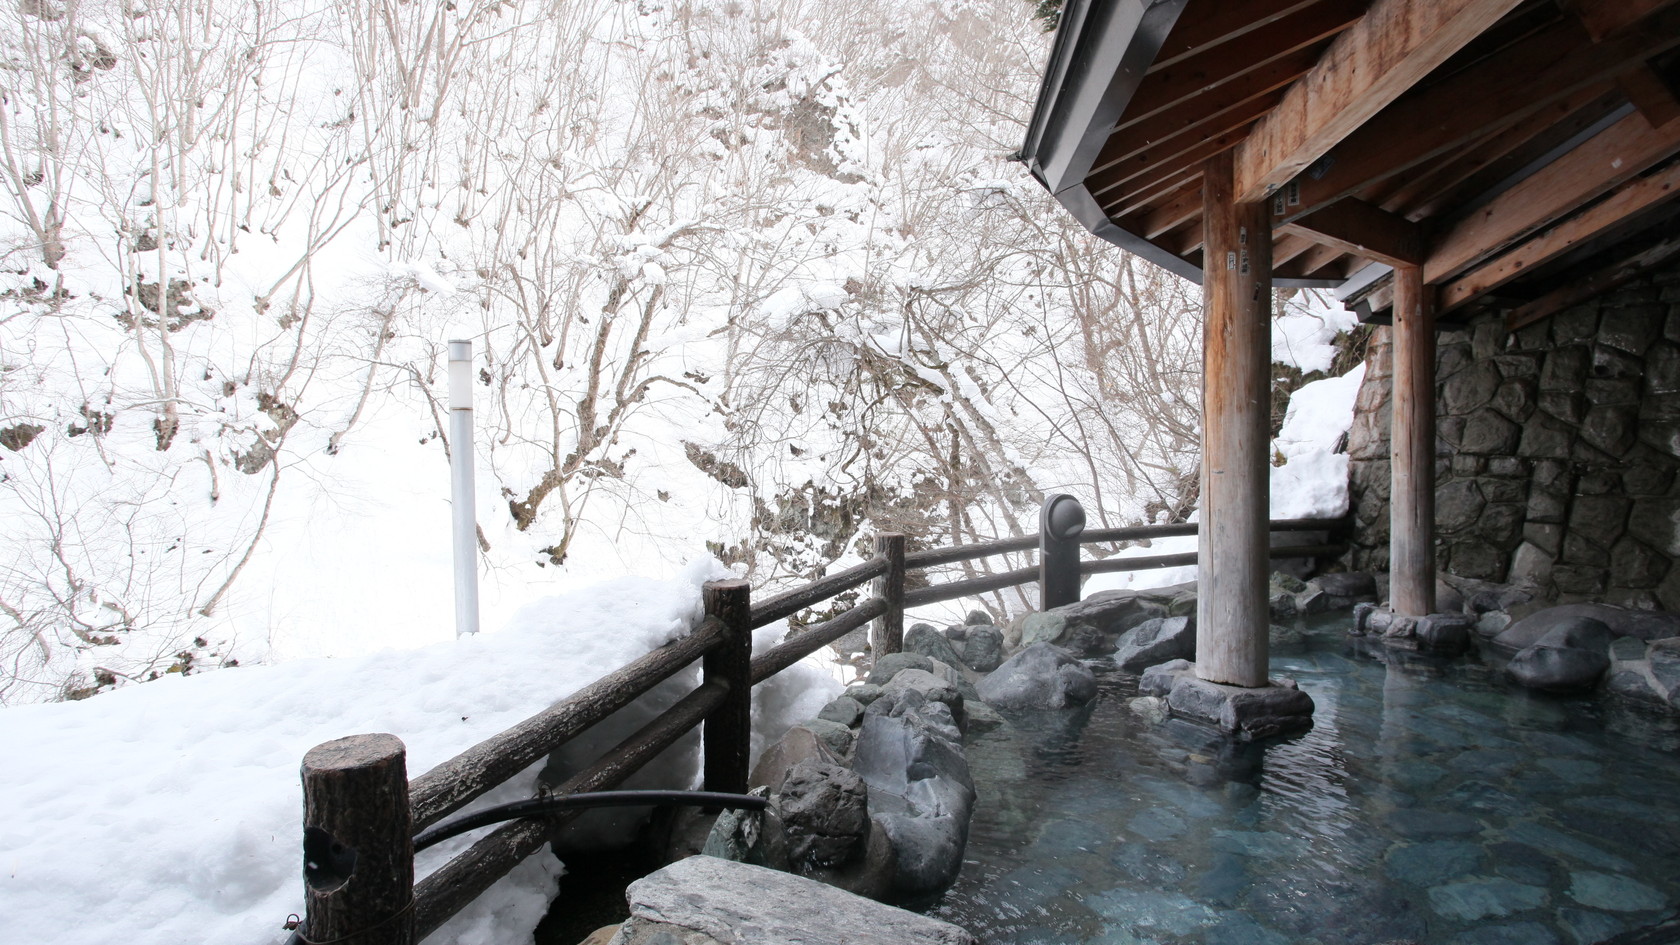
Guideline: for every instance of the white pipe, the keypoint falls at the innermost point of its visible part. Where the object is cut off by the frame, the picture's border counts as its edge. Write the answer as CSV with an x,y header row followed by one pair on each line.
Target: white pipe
x,y
462,505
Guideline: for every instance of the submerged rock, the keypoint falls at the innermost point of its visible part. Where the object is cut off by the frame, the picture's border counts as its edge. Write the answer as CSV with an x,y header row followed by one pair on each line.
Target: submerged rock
x,y
1042,676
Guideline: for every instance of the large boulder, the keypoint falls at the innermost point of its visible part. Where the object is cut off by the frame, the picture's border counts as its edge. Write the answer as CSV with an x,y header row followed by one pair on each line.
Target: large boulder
x,y
1348,587
925,639
1278,708
1644,624
982,648
1156,641
1570,657
910,754
824,814
925,684
1042,676
886,667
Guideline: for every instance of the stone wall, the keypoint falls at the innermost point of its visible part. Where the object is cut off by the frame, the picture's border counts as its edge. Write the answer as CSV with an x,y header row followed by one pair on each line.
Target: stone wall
x,y
1557,448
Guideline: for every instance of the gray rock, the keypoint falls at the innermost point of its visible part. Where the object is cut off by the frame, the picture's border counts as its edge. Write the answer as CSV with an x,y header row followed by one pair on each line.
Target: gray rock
x,y
978,618
1351,586
1433,863
924,639
890,665
1474,899
1362,617
956,633
864,693
799,744
1569,657
1287,582
1084,641
1105,610
1447,634
1617,893
844,710
920,789
1492,623
1627,649
1043,627
1644,624
1158,680
982,648
982,718
1249,714
750,905
824,812
1282,604
1156,641
929,686
1664,656
837,738
1042,676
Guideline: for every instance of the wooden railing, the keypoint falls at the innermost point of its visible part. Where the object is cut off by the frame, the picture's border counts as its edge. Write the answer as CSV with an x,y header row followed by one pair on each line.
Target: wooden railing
x,y
361,812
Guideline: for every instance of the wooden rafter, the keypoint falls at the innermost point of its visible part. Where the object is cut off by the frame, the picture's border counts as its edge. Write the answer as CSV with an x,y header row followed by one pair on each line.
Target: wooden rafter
x,y
1221,23
1393,47
1353,226
1633,198
1605,18
1599,165
1598,283
1649,93
1543,75
1228,62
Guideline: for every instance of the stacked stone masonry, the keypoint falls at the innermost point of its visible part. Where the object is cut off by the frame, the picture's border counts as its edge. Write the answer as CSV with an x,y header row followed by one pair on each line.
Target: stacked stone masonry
x,y
1557,450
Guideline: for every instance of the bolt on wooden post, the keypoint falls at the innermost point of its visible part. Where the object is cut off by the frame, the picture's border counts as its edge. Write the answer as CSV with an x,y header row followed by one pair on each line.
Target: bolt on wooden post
x,y
727,730
889,627
358,842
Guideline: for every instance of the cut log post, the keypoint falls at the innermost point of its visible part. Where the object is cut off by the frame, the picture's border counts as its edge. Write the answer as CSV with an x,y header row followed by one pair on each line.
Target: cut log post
x,y
1060,523
358,842
1412,506
727,732
889,629
1232,616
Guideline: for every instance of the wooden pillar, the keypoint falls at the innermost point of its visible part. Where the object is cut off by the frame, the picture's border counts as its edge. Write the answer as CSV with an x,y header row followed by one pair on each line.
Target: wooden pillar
x,y
889,627
1232,614
358,845
1411,548
726,734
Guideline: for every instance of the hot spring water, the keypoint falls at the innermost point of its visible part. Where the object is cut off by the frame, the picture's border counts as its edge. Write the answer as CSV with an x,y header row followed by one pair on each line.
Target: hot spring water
x,y
1429,802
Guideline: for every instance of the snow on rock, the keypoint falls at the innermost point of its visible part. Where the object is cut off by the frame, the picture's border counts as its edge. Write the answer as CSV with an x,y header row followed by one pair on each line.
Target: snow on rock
x,y
1303,335
170,812
1312,482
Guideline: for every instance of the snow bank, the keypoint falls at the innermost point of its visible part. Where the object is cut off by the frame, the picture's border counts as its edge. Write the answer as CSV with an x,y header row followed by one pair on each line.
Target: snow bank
x,y
170,812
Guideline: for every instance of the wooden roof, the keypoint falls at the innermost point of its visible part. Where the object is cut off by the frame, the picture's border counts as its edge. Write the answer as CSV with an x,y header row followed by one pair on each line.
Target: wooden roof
x,y
1520,151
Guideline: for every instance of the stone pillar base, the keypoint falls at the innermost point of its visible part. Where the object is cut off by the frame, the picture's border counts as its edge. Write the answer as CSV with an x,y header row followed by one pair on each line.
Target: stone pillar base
x,y
1441,634
1277,708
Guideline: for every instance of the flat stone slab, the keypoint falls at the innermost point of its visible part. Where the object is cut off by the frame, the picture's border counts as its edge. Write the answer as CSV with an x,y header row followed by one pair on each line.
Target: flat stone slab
x,y
704,899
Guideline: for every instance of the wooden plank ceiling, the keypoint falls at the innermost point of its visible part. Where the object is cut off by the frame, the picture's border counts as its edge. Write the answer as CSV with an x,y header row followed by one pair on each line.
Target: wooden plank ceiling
x,y
1518,150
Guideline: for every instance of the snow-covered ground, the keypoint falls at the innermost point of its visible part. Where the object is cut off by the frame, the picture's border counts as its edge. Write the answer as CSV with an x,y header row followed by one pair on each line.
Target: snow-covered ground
x,y
170,812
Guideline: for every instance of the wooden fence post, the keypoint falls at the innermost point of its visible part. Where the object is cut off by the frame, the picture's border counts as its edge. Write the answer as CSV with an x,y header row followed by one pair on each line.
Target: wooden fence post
x,y
889,627
358,843
1060,523
727,731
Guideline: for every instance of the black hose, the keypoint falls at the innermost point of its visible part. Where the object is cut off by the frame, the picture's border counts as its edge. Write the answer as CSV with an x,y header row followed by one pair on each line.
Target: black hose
x,y
548,805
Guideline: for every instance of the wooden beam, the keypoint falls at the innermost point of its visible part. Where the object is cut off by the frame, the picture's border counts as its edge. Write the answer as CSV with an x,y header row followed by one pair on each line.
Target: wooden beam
x,y
1599,165
1233,618
1316,257
1631,199
1411,555
1196,74
1542,75
1606,18
1597,284
1651,94
1356,227
1197,120
1387,52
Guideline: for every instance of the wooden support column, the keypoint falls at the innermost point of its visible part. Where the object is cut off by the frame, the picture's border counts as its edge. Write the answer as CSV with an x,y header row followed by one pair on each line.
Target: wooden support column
x,y
1411,549
1232,615
889,627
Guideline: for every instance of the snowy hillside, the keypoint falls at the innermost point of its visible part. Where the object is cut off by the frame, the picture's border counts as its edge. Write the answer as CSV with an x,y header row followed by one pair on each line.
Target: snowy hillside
x,y
747,277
